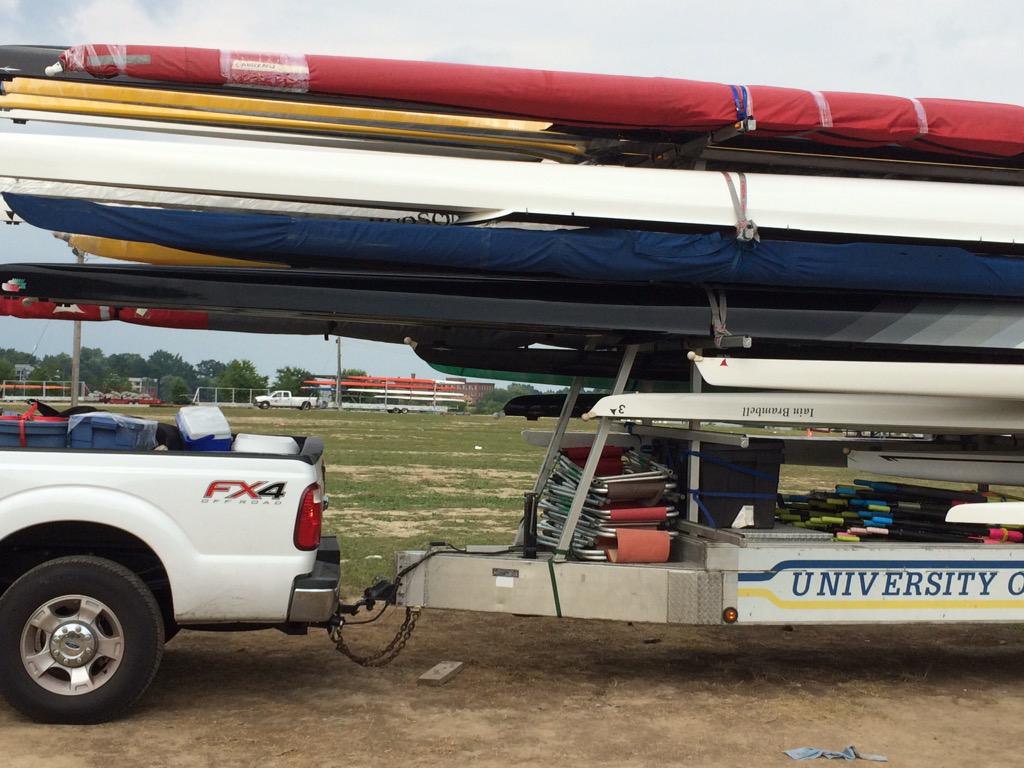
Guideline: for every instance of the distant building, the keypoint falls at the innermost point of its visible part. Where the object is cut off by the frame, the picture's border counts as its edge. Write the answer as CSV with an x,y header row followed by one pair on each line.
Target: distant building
x,y
143,385
473,390
22,371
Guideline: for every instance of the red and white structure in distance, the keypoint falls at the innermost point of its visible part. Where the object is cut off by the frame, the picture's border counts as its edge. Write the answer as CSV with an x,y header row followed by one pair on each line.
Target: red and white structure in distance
x,y
398,389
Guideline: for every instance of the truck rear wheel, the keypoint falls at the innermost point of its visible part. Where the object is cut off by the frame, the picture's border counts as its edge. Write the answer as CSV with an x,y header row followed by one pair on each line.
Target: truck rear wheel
x,y
80,640
305,406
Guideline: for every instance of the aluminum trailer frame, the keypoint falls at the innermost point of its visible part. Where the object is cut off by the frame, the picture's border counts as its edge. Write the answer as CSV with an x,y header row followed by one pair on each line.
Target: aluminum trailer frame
x,y
783,575
766,577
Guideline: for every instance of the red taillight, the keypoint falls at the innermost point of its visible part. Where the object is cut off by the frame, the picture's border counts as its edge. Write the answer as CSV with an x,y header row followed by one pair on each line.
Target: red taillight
x,y
310,519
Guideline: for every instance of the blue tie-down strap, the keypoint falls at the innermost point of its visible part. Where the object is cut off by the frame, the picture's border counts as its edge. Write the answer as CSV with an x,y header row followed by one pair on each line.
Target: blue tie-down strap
x,y
741,100
697,493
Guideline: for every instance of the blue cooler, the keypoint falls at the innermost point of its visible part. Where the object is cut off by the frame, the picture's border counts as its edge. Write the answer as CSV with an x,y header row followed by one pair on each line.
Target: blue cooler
x,y
204,428
112,432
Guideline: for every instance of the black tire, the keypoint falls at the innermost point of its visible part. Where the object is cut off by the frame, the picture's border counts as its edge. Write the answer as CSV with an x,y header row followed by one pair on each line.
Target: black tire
x,y
305,406
263,405
126,597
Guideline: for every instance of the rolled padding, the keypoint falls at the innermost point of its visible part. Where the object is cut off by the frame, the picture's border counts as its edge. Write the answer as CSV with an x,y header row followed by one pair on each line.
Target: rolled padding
x,y
637,514
651,489
640,546
580,454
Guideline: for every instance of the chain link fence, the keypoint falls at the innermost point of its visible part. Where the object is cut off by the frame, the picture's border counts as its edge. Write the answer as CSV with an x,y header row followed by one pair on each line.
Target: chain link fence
x,y
15,390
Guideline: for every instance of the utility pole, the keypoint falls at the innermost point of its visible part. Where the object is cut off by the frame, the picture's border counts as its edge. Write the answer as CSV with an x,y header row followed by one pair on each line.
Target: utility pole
x,y
337,381
76,349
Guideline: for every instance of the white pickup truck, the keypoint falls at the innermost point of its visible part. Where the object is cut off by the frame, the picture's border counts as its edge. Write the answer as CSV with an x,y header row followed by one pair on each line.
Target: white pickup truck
x,y
284,399
104,555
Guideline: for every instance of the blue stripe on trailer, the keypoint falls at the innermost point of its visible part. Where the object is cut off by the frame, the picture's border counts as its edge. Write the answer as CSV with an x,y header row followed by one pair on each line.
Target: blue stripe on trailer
x,y
885,565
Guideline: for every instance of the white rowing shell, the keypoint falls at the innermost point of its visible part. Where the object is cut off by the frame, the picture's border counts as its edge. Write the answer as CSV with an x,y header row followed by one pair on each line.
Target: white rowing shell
x,y
893,413
946,379
883,208
192,201
954,467
994,513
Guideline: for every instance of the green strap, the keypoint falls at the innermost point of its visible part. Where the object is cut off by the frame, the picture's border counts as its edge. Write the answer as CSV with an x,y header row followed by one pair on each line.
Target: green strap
x,y
554,588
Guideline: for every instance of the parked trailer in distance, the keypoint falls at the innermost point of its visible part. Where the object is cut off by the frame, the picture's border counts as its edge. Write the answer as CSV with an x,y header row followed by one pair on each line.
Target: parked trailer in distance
x,y
393,408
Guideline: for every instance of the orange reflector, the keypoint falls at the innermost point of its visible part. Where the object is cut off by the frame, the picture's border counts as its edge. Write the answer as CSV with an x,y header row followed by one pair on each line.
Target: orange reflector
x,y
729,615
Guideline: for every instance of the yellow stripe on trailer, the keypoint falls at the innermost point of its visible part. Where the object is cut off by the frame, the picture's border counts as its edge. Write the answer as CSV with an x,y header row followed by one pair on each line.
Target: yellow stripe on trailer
x,y
834,604
148,253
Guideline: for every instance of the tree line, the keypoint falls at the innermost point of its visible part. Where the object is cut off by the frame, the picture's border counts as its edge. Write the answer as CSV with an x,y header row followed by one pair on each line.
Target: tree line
x,y
176,378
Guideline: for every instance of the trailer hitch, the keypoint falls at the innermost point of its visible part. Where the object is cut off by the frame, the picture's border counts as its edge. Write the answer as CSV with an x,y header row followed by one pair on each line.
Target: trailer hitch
x,y
384,591
381,591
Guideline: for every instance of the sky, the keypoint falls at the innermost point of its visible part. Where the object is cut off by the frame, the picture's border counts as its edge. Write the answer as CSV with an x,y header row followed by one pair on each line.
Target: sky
x,y
964,49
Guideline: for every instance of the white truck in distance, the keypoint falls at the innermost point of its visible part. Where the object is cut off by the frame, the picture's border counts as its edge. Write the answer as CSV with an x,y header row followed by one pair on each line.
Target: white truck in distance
x,y
104,555
284,399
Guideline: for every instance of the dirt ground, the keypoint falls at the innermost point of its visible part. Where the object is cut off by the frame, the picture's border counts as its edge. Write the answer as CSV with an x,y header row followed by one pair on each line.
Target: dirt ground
x,y
547,691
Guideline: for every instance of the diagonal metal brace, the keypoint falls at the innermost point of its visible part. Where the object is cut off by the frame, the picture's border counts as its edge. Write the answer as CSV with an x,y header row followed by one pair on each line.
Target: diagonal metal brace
x,y
590,468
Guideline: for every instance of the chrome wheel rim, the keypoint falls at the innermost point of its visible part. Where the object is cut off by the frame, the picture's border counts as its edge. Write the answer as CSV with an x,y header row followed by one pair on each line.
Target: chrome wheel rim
x,y
72,645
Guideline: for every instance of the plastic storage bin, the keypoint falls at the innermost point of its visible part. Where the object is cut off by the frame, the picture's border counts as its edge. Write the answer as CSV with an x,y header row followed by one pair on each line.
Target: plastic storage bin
x,y
275,444
204,428
111,431
30,431
731,478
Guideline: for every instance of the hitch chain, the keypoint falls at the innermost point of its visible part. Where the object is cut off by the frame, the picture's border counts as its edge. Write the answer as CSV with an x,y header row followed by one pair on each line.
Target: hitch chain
x,y
389,652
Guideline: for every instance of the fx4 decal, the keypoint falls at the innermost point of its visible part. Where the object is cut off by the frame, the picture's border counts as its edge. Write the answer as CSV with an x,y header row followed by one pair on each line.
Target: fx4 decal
x,y
241,492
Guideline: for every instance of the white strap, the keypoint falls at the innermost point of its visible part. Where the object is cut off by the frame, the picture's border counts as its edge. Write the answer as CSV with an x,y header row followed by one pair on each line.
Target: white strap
x,y
719,314
824,110
922,117
746,230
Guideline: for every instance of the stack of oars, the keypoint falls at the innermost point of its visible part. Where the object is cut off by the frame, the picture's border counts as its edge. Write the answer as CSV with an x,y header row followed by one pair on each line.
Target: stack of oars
x,y
879,511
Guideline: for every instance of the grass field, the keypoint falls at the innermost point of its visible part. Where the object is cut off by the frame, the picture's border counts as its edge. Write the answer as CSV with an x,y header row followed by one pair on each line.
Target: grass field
x,y
401,481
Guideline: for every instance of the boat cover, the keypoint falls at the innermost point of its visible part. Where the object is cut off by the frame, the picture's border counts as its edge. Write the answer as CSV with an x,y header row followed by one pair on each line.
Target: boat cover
x,y
32,309
570,98
606,255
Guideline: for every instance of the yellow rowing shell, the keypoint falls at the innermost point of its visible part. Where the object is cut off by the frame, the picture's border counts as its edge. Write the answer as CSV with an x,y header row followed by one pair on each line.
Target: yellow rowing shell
x,y
148,253
211,109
